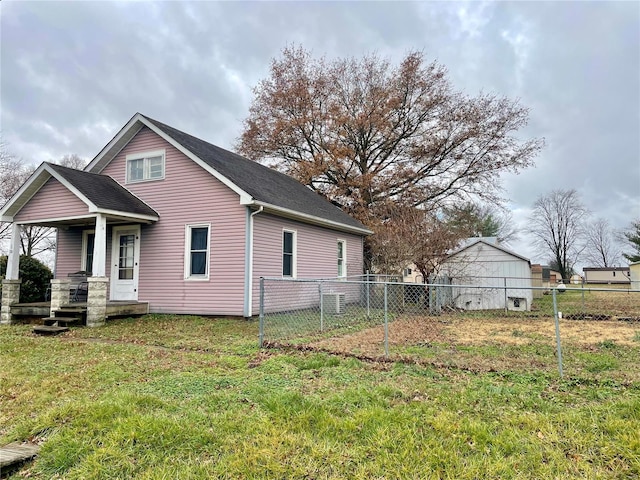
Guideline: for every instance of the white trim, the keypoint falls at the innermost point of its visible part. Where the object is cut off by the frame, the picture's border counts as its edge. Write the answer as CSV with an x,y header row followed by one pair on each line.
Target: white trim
x,y
127,215
248,280
286,212
85,247
145,157
294,253
344,257
33,179
133,124
13,257
99,267
187,253
56,219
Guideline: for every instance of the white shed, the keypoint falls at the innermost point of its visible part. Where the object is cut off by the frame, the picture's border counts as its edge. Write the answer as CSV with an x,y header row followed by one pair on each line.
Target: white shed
x,y
497,277
634,271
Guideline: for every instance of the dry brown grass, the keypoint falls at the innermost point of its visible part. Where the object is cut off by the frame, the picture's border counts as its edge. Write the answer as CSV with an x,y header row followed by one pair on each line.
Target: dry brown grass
x,y
457,330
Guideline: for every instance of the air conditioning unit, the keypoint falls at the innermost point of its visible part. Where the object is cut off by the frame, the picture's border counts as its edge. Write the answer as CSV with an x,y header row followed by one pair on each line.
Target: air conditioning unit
x,y
333,303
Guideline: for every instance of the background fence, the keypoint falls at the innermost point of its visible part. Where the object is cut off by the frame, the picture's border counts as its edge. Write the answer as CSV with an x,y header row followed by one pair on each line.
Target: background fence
x,y
487,324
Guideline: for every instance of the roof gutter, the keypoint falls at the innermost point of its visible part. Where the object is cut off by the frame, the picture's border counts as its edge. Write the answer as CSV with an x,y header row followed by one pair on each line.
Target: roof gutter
x,y
304,217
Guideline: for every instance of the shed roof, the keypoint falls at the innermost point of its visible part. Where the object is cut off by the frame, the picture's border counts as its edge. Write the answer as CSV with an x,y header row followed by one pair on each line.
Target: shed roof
x,y
487,241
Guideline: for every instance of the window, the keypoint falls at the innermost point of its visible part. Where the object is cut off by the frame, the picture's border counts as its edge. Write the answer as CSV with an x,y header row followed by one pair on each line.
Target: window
x,y
145,166
342,258
288,253
88,241
197,252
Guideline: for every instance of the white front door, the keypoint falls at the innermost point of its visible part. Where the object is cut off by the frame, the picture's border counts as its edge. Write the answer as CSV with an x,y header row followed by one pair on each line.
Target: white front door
x,y
125,257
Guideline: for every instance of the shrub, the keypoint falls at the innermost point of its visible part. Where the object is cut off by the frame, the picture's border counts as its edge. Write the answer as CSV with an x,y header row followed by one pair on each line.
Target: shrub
x,y
35,276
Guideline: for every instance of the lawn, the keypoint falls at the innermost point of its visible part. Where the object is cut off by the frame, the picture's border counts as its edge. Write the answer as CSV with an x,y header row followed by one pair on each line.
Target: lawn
x,y
191,397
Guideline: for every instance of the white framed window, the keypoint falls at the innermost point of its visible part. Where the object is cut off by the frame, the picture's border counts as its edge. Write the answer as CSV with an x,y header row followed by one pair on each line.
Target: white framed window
x,y
342,258
88,242
197,250
289,253
142,167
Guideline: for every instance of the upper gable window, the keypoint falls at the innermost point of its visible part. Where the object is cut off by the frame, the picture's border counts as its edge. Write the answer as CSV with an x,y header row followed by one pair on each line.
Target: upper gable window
x,y
145,166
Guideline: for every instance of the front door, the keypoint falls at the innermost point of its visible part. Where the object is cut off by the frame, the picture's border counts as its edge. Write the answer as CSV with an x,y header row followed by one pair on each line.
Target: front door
x,y
125,256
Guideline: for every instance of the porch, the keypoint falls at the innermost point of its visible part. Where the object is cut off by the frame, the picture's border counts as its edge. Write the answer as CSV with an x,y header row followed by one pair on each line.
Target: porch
x,y
114,309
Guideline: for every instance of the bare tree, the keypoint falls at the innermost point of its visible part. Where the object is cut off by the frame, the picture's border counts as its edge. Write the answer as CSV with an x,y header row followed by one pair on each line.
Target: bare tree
x,y
13,173
558,227
413,235
72,160
602,247
34,240
364,133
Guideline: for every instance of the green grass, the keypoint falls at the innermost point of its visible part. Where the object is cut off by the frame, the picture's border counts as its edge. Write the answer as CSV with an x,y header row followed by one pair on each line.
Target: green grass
x,y
191,397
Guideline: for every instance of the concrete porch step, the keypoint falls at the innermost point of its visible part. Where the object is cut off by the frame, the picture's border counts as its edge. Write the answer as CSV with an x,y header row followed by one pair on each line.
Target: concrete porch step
x,y
49,329
72,309
62,321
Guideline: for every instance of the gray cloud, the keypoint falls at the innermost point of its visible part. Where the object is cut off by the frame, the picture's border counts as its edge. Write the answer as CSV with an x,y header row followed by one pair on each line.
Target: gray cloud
x,y
74,72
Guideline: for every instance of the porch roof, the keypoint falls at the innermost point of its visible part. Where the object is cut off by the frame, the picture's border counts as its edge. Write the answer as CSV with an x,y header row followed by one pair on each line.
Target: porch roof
x,y
101,193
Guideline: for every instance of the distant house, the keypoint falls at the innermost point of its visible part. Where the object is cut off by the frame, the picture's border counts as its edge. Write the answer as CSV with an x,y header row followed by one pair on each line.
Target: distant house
x,y
164,219
486,266
609,275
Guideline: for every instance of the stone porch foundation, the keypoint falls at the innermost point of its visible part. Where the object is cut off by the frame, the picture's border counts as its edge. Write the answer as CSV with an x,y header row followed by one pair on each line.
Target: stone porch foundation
x,y
59,294
10,295
97,301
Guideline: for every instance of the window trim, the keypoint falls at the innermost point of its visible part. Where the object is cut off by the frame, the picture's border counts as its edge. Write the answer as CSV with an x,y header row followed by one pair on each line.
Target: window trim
x,y
294,253
187,252
145,156
344,258
85,247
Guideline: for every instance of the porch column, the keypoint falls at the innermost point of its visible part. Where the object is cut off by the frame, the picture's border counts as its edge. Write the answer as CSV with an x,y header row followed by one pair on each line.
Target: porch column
x,y
11,283
59,294
10,295
97,300
13,259
98,269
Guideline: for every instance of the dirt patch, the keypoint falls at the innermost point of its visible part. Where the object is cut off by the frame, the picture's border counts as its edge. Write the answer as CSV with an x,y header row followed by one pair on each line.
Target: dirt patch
x,y
457,331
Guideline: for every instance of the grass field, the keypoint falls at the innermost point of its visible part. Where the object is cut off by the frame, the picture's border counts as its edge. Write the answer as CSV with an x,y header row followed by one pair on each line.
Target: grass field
x,y
190,397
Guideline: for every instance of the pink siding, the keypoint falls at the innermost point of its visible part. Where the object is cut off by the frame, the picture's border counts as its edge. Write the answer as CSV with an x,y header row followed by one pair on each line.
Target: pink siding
x,y
68,252
316,250
187,195
53,200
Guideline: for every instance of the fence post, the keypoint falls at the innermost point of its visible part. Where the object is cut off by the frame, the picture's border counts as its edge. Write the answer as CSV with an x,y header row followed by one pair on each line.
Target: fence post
x,y
506,298
386,322
261,334
368,287
584,310
321,307
558,343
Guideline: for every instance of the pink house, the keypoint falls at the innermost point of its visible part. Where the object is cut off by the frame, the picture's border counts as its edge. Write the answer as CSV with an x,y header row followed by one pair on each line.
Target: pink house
x,y
166,221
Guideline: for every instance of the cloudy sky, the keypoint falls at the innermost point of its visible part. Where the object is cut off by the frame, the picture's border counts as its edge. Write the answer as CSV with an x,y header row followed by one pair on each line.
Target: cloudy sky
x,y
73,73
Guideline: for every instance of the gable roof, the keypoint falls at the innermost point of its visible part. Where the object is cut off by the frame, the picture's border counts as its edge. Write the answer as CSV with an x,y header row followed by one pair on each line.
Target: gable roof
x,y
256,184
486,241
101,193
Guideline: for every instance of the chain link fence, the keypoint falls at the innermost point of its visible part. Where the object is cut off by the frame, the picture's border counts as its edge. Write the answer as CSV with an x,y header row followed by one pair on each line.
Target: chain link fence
x,y
484,324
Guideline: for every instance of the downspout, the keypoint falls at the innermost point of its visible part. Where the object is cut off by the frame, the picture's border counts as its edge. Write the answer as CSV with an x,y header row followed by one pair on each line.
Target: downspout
x,y
248,293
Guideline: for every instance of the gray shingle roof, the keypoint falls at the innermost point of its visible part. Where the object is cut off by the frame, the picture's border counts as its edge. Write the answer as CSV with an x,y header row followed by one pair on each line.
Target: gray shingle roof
x,y
103,191
264,184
